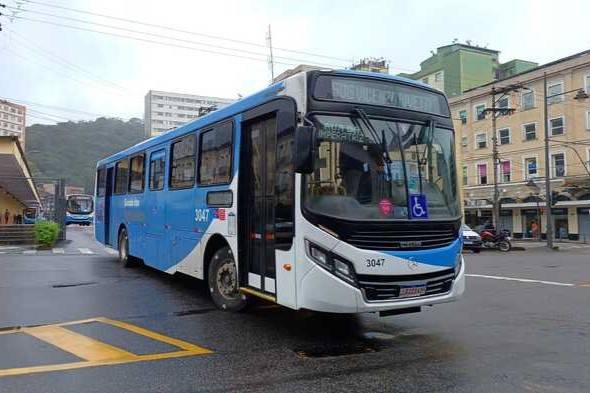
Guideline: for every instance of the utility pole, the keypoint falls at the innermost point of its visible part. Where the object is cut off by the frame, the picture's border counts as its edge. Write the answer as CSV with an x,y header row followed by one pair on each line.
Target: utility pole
x,y
496,162
495,154
271,62
547,168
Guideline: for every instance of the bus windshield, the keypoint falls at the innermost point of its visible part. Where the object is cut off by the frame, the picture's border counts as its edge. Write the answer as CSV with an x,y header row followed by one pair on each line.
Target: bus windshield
x,y
80,204
367,170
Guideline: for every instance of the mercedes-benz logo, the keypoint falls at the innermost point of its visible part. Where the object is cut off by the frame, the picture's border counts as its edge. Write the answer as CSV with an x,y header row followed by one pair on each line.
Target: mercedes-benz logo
x,y
412,264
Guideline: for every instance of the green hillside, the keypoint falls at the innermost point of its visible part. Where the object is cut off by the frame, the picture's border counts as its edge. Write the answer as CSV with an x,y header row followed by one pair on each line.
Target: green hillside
x,y
70,150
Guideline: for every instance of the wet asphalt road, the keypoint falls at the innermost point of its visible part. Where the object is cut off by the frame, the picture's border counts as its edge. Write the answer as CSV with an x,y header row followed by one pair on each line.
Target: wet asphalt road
x,y
503,336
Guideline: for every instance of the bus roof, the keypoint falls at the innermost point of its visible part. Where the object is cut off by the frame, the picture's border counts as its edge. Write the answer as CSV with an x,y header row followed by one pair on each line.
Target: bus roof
x,y
240,106
204,121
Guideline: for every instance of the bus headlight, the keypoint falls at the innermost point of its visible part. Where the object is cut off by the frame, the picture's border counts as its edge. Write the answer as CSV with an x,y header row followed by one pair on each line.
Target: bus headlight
x,y
331,262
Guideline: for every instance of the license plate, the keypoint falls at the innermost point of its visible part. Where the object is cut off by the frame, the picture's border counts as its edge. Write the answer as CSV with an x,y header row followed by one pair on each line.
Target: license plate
x,y
417,290
467,242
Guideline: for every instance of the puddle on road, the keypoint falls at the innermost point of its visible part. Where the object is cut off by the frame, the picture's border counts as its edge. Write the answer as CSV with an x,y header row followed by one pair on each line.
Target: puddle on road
x,y
74,284
193,312
337,350
367,342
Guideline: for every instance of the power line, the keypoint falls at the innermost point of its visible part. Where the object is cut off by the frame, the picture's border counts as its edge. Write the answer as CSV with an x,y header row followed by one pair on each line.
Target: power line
x,y
58,108
147,40
167,37
64,62
58,72
185,31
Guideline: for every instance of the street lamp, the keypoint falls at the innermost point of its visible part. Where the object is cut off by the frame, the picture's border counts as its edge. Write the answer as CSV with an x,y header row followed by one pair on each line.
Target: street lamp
x,y
580,95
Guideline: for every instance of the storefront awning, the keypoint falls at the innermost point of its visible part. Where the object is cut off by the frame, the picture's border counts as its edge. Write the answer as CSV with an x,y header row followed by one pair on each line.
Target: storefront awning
x,y
15,177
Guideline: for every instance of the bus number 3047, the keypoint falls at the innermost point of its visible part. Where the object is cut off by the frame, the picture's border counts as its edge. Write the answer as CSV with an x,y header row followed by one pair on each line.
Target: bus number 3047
x,y
201,215
374,262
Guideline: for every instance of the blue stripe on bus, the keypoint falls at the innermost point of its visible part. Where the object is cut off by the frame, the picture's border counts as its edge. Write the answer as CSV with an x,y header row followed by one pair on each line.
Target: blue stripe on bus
x,y
444,256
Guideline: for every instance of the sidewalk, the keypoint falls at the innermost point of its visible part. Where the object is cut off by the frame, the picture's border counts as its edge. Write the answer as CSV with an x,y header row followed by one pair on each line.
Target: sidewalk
x,y
562,244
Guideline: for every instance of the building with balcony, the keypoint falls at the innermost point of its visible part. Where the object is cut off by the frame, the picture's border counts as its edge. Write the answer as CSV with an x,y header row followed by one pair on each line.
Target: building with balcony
x,y
458,67
521,161
166,110
13,120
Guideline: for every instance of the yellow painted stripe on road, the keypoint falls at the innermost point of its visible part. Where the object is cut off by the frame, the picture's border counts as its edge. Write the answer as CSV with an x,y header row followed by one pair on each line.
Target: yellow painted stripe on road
x,y
82,346
195,349
78,365
20,328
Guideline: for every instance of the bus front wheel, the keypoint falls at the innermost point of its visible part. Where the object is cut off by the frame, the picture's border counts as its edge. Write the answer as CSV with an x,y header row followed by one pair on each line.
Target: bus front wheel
x,y
223,281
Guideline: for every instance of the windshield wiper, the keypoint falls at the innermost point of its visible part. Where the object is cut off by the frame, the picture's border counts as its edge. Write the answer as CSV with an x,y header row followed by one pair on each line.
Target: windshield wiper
x,y
421,158
381,141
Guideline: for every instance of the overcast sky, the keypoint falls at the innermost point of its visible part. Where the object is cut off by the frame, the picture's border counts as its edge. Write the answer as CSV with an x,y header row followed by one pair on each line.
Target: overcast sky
x,y
105,75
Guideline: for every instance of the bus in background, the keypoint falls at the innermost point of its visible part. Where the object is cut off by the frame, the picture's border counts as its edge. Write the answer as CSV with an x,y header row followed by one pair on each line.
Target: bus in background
x,y
332,191
79,209
31,215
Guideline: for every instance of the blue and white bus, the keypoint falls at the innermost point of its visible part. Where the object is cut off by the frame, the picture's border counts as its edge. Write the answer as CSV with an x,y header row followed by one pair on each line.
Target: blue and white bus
x,y
332,191
79,209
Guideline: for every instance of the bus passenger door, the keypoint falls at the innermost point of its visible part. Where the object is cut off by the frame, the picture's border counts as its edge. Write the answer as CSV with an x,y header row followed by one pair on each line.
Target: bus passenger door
x,y
155,212
266,198
107,205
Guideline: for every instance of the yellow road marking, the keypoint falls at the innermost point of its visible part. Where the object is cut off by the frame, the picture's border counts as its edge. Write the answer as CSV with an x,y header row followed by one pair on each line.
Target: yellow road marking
x,y
69,323
96,353
82,346
77,365
156,336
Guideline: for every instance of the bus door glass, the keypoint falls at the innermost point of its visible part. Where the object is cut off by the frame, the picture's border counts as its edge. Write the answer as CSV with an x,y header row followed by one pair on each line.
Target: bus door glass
x,y
260,199
155,211
107,204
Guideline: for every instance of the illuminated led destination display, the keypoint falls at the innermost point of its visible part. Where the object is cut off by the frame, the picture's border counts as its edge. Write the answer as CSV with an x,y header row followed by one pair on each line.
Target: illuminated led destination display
x,y
364,91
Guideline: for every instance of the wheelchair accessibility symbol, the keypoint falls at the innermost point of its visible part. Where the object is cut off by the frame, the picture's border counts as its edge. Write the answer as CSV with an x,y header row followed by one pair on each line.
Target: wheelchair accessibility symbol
x,y
418,206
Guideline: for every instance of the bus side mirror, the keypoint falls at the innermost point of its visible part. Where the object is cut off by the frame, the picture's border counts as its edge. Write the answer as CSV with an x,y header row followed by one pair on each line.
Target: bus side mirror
x,y
304,143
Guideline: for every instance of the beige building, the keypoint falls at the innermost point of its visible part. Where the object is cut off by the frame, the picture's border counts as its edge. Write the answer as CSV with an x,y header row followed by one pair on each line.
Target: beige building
x,y
520,136
13,120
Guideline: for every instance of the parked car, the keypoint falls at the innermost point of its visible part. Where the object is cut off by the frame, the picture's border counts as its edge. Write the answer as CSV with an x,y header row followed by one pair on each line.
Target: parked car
x,y
471,239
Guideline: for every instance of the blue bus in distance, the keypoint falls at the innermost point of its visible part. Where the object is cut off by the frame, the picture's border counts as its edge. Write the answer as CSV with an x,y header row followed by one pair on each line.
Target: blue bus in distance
x,y
332,191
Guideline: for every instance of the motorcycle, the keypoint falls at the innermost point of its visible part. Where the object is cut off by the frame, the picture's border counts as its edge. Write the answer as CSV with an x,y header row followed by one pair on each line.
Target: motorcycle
x,y
500,241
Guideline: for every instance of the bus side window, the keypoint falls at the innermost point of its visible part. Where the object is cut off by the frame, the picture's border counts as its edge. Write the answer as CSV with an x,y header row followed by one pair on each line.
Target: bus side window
x,y
215,155
182,162
136,174
121,176
157,165
101,182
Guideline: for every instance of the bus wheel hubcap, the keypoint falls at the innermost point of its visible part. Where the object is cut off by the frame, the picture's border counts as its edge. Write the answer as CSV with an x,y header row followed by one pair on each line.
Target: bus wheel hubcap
x,y
226,280
123,248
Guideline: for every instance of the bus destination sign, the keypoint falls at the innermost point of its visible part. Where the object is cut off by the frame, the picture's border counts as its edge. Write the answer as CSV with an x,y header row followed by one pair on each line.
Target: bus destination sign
x,y
364,91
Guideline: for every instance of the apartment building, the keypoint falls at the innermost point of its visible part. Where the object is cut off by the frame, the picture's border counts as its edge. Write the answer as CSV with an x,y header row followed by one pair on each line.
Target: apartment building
x,y
521,162
458,67
13,120
167,110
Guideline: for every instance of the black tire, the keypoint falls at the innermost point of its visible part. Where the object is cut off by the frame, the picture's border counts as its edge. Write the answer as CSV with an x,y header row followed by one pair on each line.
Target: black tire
x,y
223,281
124,258
477,250
504,245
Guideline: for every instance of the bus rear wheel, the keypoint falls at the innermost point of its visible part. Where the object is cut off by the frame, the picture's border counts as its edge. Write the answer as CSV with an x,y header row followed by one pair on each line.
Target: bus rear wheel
x,y
223,281
124,258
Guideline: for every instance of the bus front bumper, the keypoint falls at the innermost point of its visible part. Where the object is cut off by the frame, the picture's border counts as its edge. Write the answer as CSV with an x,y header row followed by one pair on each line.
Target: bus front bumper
x,y
322,291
